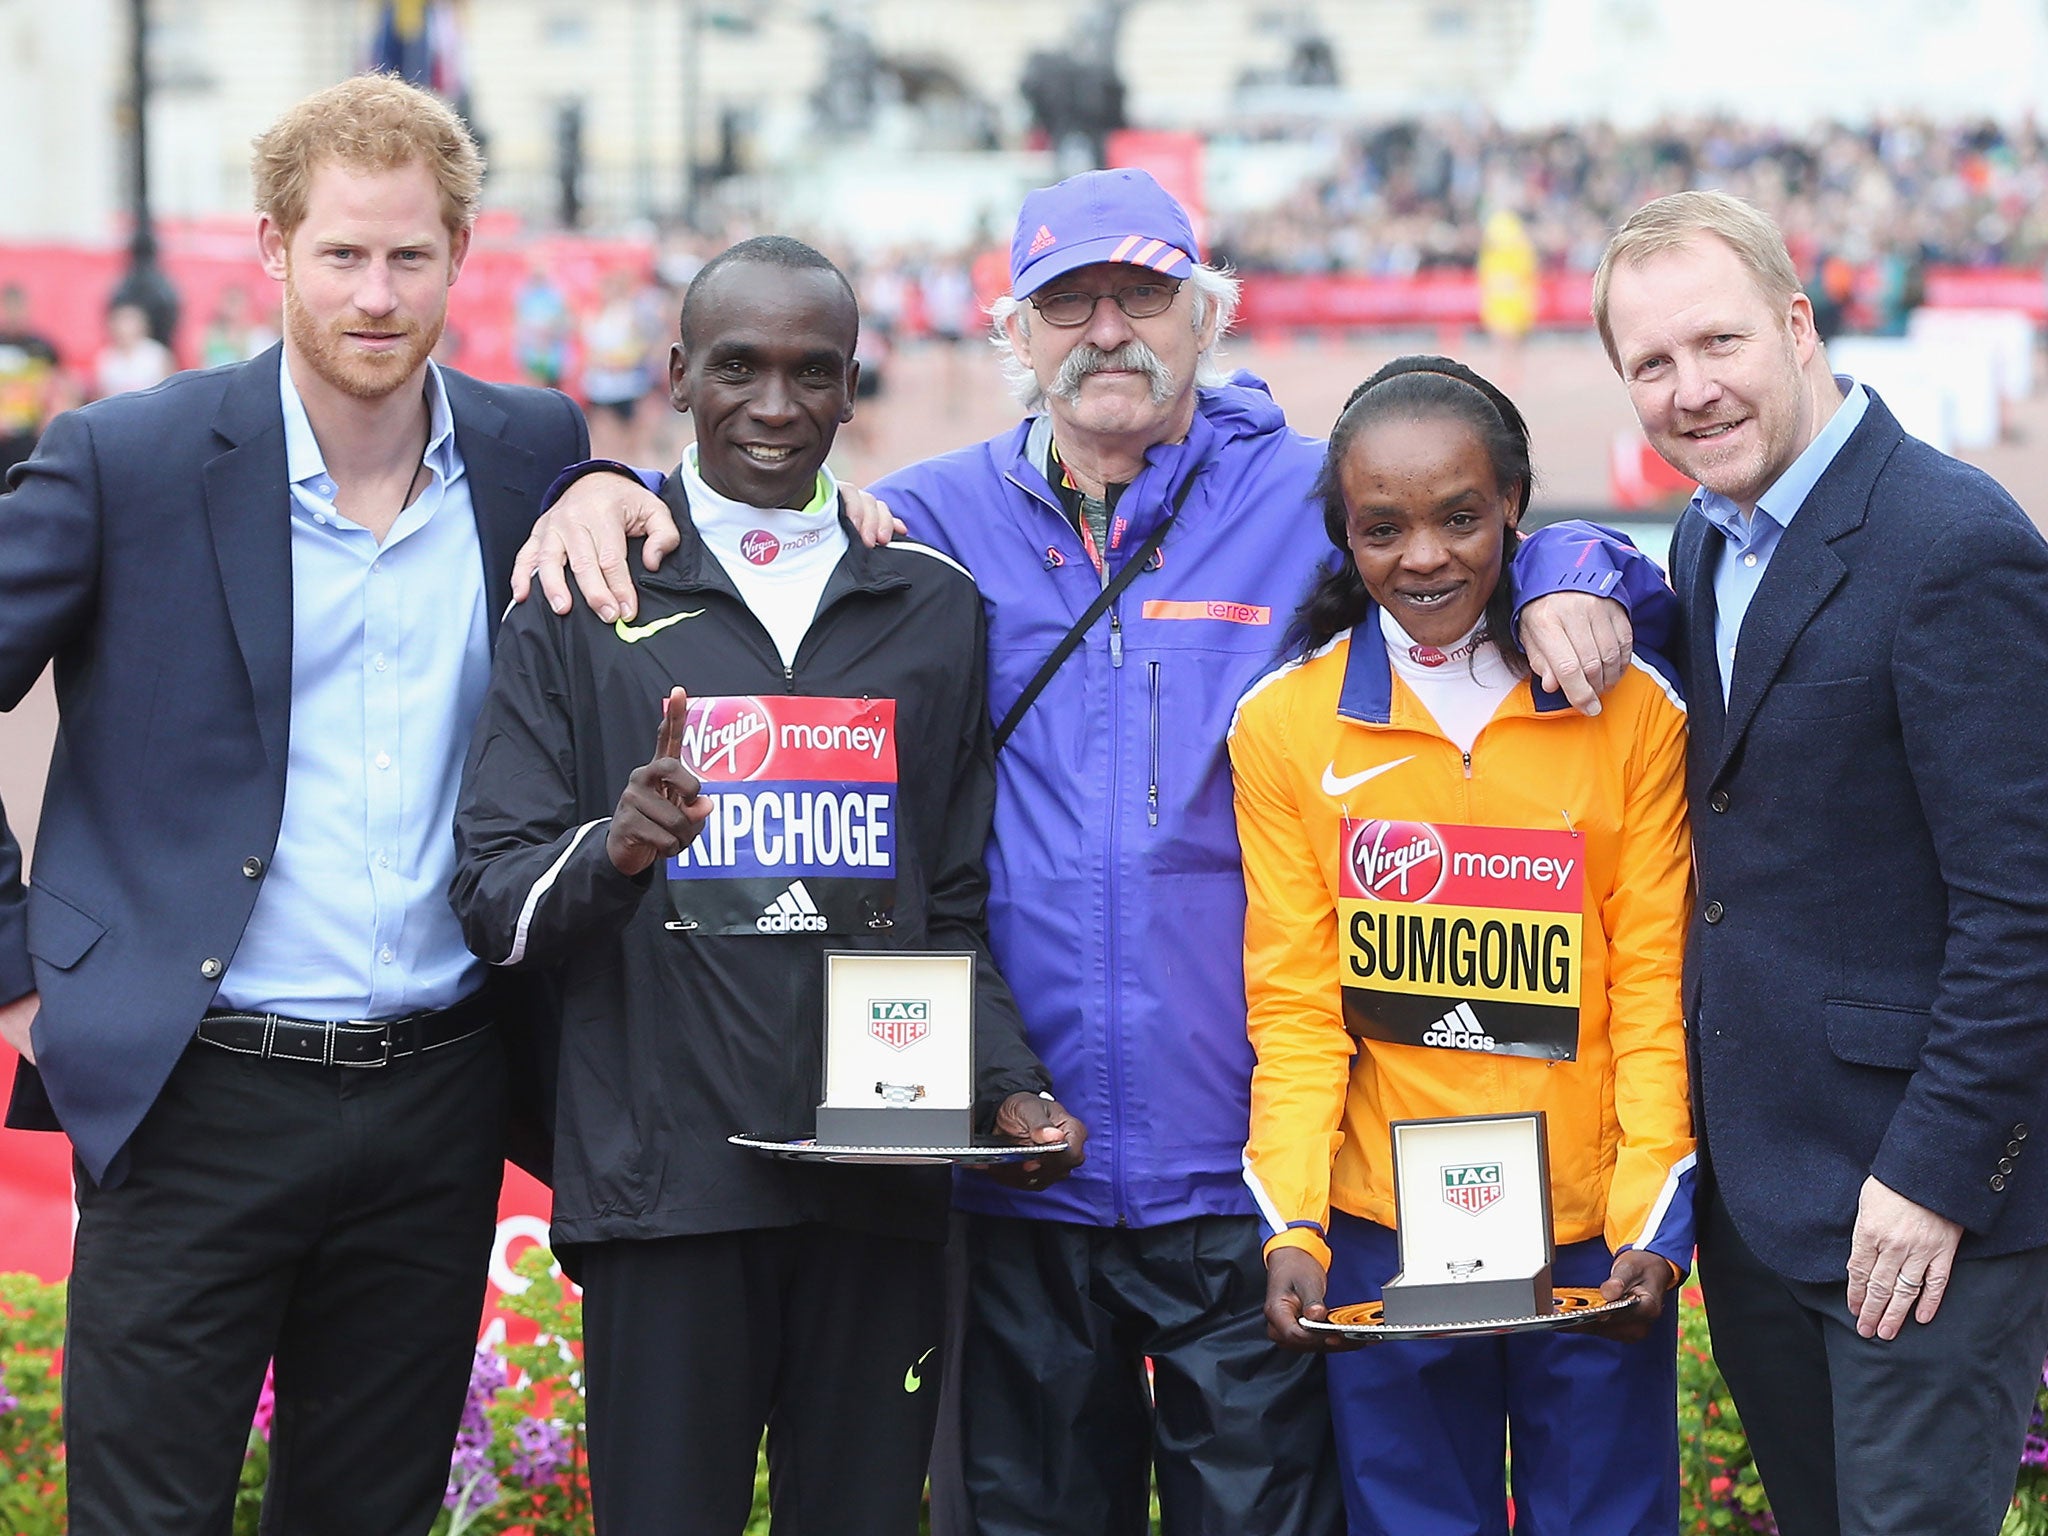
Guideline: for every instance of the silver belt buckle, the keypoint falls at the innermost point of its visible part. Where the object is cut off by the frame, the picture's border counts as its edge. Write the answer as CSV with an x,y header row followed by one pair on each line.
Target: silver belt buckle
x,y
383,1027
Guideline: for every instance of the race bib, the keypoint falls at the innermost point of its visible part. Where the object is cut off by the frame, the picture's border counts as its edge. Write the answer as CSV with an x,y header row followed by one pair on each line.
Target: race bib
x,y
802,832
1462,938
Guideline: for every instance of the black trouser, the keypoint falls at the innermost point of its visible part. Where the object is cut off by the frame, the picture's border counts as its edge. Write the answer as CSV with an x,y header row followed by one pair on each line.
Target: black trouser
x,y
338,1219
827,1338
1059,1428
1863,1437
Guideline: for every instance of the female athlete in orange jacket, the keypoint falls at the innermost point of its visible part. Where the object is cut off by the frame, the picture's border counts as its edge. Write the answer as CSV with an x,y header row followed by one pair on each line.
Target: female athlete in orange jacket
x,y
1465,898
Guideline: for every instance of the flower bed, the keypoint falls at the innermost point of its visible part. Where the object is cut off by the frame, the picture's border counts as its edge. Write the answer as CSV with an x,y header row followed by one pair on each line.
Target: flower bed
x,y
520,1456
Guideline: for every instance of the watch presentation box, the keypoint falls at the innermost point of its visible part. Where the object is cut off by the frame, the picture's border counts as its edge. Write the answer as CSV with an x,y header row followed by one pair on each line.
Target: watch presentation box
x,y
899,1048
1472,1212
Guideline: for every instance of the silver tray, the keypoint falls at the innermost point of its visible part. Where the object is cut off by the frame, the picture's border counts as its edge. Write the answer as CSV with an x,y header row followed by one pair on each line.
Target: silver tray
x,y
808,1149
1575,1304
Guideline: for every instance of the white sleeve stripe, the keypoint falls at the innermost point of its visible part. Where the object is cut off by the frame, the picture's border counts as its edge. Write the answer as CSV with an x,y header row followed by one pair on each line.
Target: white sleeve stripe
x,y
1265,1203
1662,1205
1660,680
541,887
936,554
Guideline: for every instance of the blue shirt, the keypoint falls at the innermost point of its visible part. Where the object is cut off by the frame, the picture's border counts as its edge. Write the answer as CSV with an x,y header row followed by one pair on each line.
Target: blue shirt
x,y
1747,542
390,659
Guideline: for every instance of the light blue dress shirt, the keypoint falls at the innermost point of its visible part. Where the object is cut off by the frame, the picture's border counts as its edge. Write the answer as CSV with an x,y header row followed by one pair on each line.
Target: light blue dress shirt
x,y
390,659
1749,541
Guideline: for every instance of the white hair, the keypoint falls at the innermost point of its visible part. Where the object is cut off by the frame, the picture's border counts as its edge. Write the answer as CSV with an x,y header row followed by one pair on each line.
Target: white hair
x,y
1215,288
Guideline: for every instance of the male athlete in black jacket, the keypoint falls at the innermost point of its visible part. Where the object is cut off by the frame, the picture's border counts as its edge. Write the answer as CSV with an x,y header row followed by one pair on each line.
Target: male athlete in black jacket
x,y
835,702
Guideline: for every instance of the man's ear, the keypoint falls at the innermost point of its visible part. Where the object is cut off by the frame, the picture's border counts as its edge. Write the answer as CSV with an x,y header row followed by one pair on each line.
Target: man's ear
x,y
1018,329
271,248
1799,322
678,378
852,389
458,252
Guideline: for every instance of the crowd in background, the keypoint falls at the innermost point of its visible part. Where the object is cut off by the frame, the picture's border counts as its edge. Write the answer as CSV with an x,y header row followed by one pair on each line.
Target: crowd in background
x,y
1895,196
1410,195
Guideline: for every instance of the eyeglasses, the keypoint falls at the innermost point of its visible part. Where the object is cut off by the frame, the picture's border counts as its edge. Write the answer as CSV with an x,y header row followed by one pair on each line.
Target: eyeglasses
x,y
1140,301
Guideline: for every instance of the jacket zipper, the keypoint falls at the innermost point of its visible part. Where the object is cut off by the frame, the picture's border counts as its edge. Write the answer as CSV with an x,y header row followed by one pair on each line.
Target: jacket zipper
x,y
1113,1014
1113,1020
1152,788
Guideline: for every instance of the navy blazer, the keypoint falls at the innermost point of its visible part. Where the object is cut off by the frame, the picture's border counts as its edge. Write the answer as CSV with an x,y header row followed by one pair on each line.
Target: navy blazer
x,y
146,550
1867,973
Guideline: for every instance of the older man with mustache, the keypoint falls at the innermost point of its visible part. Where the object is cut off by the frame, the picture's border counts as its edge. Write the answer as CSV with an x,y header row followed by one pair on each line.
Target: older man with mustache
x,y
1144,474
1139,540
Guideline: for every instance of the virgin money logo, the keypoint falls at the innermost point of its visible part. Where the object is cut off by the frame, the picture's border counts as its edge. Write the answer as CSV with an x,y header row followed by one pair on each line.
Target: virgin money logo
x,y
759,546
1398,860
726,739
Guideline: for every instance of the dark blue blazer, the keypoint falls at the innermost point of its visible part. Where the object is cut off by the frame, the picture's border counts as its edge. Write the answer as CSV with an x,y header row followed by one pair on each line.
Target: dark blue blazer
x,y
1867,974
146,550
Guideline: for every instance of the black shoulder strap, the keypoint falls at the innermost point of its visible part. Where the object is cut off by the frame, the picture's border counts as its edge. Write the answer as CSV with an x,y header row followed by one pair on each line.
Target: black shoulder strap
x,y
1072,639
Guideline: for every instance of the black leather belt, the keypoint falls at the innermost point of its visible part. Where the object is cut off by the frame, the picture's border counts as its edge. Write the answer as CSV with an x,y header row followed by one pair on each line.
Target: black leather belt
x,y
344,1042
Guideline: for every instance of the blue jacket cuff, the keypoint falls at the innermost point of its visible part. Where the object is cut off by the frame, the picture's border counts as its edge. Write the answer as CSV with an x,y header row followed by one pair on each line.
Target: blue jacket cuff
x,y
651,478
1587,557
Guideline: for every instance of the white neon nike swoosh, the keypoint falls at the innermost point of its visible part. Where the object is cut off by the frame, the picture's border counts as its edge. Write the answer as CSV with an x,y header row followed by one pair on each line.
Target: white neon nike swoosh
x,y
1332,785
631,632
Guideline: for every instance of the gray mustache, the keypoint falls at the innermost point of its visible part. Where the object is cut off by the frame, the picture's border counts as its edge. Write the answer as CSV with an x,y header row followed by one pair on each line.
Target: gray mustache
x,y
1133,356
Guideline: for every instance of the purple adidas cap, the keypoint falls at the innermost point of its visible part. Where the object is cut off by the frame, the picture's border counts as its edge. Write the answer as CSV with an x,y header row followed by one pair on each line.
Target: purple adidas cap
x,y
1120,215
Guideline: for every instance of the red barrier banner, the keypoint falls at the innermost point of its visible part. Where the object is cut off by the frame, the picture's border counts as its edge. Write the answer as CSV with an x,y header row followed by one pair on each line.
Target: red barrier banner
x,y
1988,288
1343,301
35,1197
68,286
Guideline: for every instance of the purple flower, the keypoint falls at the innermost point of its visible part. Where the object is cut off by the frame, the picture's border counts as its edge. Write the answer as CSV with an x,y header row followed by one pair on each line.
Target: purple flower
x,y
8,1401
472,1483
2035,1452
472,1479
540,1449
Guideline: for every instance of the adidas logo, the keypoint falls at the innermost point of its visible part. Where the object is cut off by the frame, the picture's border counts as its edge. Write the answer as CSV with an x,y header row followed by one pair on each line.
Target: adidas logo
x,y
1044,239
791,912
1459,1029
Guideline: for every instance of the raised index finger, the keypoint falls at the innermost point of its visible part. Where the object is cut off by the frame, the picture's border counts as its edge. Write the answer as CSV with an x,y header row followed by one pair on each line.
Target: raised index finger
x,y
668,737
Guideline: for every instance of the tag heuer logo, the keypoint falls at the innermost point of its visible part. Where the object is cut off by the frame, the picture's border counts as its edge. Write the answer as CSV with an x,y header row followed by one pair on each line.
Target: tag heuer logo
x,y
899,1022
1472,1187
